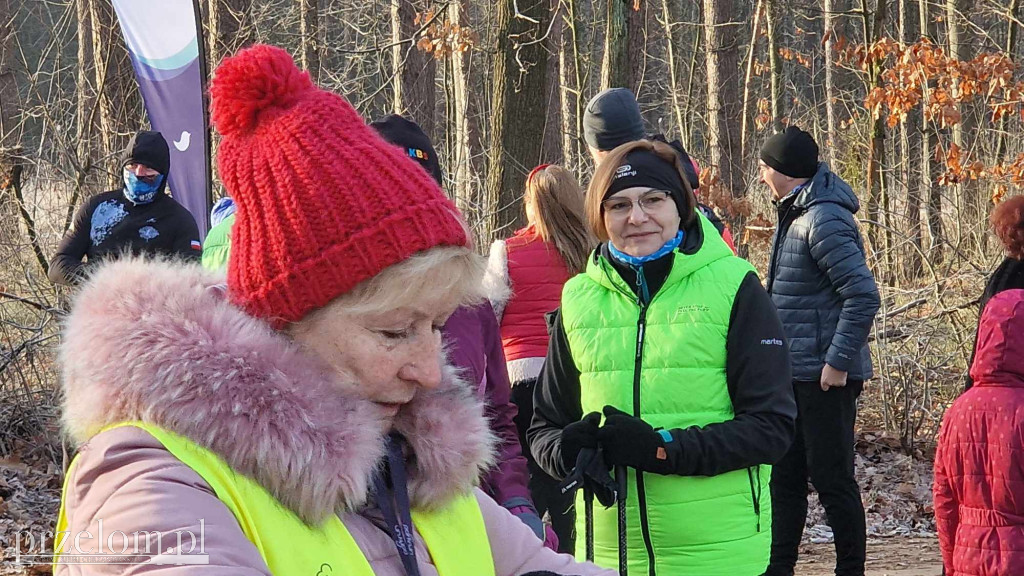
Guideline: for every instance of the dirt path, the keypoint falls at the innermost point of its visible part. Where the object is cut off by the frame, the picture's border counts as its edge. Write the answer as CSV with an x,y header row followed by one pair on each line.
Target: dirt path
x,y
886,557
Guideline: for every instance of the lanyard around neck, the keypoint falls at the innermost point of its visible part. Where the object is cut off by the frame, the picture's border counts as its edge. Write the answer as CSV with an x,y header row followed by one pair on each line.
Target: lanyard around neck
x,y
392,494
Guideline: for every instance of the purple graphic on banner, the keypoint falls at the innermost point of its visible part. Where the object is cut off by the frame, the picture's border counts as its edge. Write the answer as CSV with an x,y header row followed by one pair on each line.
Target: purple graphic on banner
x,y
164,48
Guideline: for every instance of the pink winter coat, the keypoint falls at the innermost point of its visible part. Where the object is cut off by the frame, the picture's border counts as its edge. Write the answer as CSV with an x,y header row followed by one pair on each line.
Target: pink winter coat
x,y
979,465
157,342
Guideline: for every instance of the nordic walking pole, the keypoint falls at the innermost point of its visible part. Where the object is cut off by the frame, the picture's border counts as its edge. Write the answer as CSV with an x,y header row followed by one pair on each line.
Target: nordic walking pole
x,y
620,498
588,519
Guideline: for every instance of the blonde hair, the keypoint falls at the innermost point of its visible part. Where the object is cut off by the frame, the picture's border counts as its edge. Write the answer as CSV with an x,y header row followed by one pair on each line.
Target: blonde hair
x,y
425,276
558,208
605,174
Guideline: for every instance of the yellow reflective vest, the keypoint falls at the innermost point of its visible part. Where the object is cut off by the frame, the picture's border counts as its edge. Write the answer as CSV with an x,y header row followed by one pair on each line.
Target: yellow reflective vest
x,y
455,535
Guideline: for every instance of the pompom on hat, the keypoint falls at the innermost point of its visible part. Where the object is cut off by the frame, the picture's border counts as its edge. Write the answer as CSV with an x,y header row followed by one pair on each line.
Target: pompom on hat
x,y
324,202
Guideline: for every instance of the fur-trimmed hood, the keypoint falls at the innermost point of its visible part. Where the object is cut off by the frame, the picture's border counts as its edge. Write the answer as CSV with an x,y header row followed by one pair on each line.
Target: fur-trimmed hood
x,y
158,342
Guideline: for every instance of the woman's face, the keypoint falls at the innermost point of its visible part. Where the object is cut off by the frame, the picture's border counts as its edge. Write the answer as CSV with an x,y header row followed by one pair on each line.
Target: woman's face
x,y
640,220
384,357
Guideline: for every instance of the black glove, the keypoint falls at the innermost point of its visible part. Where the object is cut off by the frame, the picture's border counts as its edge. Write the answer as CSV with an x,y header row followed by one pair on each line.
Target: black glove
x,y
629,441
591,473
577,436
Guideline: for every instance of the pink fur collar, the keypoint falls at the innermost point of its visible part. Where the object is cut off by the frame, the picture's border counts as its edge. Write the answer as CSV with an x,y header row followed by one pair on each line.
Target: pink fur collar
x,y
154,341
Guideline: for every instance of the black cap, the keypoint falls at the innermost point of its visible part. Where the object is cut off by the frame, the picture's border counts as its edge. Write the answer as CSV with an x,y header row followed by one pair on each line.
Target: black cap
x,y
149,148
408,136
793,153
611,119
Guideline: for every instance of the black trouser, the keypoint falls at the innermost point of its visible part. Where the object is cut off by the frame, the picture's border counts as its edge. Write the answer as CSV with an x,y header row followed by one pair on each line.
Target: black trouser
x,y
543,488
822,451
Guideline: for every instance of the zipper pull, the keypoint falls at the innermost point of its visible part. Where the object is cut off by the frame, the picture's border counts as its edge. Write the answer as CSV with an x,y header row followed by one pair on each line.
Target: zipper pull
x,y
641,286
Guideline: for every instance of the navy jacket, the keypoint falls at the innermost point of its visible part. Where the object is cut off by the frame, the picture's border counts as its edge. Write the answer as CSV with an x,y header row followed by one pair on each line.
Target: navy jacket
x,y
820,282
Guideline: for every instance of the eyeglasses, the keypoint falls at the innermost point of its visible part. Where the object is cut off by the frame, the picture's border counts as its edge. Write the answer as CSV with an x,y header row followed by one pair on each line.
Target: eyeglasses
x,y
649,202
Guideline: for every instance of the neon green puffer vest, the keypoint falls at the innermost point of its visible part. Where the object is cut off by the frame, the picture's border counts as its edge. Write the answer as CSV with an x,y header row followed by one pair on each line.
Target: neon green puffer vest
x,y
217,245
707,526
455,535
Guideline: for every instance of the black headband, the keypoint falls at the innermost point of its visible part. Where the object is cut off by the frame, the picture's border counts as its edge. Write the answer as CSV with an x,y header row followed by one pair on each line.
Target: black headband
x,y
644,168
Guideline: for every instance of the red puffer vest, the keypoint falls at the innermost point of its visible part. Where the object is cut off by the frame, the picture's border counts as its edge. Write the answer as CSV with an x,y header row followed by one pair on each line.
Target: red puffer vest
x,y
979,464
536,273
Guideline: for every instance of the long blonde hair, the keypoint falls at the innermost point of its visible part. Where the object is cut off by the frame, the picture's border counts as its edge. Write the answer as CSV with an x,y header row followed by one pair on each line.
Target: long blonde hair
x,y
558,214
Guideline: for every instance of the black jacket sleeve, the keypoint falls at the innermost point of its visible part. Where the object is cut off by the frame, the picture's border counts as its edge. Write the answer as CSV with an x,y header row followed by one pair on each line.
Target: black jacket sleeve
x,y
66,265
188,232
758,374
556,401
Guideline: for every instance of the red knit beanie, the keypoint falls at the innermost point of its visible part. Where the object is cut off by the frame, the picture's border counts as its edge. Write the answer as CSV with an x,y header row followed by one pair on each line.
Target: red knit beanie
x,y
323,202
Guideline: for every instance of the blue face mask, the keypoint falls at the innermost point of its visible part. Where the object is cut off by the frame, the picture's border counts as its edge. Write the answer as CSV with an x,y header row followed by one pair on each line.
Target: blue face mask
x,y
141,190
641,260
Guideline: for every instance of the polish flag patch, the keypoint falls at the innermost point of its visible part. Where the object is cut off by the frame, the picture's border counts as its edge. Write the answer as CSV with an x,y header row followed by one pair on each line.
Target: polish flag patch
x,y
196,245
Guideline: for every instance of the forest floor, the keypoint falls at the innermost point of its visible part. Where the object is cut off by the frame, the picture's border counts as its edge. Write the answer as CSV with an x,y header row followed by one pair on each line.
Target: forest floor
x,y
895,488
896,491
896,556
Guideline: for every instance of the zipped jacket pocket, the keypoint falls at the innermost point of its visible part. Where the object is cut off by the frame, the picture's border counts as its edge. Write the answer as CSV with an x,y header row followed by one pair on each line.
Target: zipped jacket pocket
x,y
755,491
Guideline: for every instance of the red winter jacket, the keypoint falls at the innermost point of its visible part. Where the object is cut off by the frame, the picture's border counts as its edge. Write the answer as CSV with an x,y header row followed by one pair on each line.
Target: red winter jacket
x,y
536,273
979,465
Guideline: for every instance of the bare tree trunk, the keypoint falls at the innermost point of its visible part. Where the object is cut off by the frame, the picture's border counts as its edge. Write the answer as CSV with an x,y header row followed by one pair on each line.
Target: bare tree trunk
x,y
929,142
576,72
567,88
414,70
10,137
85,106
691,76
10,101
775,61
213,27
517,117
102,16
615,71
309,31
755,33
673,67
968,192
228,27
877,198
461,164
636,26
909,155
12,198
1011,46
552,150
721,29
830,83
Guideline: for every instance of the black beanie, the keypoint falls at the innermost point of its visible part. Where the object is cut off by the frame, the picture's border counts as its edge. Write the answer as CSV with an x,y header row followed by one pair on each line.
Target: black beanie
x,y
148,148
793,153
611,119
408,136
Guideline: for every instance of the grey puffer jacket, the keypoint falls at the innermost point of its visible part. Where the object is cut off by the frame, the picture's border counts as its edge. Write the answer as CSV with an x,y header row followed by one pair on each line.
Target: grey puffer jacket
x,y
820,282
